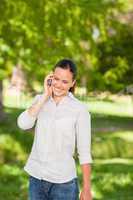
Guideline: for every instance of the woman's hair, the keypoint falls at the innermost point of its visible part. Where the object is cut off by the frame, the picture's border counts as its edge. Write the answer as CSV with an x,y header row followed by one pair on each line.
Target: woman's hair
x,y
68,64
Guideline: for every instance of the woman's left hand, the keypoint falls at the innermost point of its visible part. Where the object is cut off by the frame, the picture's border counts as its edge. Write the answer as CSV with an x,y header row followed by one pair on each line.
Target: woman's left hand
x,y
86,194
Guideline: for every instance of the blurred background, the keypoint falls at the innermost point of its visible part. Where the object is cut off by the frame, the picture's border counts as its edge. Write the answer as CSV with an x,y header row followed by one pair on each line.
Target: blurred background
x,y
98,36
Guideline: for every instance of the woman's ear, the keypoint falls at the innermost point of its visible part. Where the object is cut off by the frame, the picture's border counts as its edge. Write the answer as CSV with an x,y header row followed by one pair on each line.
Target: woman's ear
x,y
73,83
72,89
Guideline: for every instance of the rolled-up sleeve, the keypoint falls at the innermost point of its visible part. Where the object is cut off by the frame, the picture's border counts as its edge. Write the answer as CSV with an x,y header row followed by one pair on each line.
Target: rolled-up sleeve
x,y
83,133
25,121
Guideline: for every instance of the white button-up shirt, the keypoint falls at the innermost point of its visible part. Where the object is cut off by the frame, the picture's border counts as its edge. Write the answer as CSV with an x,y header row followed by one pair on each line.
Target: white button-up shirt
x,y
59,129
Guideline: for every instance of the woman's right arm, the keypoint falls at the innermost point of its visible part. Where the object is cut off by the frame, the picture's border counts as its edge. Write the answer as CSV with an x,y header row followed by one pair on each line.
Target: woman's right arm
x,y
26,119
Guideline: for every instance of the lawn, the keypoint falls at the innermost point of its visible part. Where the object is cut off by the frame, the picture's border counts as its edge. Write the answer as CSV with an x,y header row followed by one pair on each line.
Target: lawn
x,y
112,142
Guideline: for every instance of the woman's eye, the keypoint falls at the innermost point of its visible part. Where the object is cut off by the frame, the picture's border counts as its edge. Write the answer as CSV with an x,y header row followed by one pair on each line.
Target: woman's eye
x,y
65,82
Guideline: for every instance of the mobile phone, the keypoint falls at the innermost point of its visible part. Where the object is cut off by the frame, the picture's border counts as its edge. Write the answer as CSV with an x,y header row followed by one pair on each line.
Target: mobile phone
x,y
49,82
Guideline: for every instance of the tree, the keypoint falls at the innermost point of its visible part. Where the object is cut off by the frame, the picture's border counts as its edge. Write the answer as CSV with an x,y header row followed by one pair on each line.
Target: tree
x,y
38,33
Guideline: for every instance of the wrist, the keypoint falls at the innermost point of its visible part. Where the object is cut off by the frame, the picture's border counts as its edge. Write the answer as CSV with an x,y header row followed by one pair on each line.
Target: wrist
x,y
87,185
86,188
45,97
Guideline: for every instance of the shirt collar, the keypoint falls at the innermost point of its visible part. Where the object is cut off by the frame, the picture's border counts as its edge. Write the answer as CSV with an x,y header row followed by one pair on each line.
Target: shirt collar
x,y
70,94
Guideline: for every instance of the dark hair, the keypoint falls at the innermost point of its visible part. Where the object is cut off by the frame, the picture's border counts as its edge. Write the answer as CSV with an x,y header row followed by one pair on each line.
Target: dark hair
x,y
68,64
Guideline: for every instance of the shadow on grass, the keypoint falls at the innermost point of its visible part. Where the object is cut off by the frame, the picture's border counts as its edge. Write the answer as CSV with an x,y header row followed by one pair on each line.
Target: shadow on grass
x,y
104,144
100,123
104,123
104,137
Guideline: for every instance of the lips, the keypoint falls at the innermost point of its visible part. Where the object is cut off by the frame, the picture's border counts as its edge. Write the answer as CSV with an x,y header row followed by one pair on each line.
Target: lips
x,y
57,90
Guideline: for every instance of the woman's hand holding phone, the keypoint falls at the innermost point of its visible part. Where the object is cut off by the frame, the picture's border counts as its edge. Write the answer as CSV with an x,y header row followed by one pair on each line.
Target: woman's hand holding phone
x,y
48,85
34,109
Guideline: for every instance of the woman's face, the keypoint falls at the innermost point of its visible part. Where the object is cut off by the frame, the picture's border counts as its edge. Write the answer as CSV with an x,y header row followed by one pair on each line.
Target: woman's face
x,y
62,81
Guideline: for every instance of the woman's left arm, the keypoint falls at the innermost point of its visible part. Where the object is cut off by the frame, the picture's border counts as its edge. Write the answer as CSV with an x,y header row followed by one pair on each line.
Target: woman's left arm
x,y
86,186
83,130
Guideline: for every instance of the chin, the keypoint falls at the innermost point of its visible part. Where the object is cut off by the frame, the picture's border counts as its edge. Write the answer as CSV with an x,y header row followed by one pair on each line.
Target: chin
x,y
57,94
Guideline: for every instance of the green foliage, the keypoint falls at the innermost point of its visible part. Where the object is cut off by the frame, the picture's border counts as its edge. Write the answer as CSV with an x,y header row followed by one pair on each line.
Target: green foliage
x,y
115,56
36,34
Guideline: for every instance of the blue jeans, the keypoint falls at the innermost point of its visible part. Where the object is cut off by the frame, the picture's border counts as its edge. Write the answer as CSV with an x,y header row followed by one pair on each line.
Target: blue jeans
x,y
44,190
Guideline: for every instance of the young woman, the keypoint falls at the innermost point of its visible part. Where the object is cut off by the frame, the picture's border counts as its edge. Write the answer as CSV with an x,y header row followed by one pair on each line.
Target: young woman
x,y
62,123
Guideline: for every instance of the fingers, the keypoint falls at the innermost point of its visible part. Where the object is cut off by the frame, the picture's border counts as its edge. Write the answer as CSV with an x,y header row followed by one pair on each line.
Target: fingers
x,y
48,85
49,76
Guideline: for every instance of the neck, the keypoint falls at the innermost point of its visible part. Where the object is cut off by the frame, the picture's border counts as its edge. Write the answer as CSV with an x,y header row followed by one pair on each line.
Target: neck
x,y
57,99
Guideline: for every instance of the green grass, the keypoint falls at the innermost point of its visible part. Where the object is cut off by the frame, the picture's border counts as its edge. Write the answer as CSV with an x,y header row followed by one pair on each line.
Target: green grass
x,y
112,142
